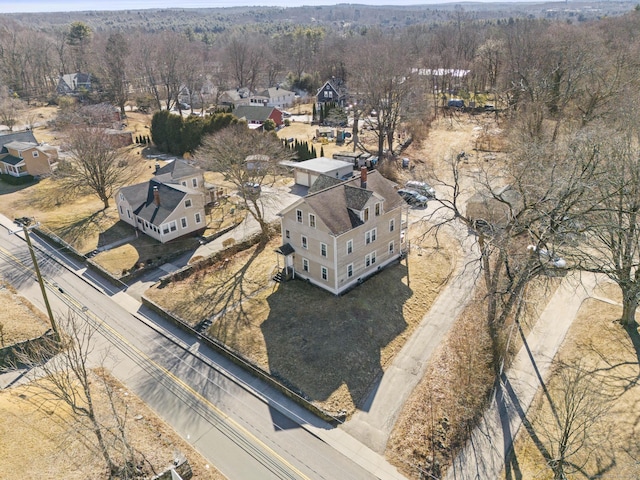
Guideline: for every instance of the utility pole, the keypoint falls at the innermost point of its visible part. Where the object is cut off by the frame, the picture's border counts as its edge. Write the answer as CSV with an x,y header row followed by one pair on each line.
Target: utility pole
x,y
25,222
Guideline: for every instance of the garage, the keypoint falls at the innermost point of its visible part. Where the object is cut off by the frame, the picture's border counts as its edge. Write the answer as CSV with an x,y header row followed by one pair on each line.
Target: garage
x,y
307,172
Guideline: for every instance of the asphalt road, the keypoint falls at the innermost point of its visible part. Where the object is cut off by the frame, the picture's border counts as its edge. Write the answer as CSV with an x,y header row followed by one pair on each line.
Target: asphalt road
x,y
240,425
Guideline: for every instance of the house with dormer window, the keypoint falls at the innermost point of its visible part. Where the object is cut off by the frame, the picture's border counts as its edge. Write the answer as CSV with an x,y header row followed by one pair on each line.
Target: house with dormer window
x,y
342,232
170,205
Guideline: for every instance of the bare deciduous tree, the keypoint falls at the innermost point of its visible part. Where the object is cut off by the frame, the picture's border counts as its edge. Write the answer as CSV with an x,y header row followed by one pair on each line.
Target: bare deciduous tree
x,y
61,372
612,231
520,211
95,163
382,84
10,108
245,57
115,69
248,159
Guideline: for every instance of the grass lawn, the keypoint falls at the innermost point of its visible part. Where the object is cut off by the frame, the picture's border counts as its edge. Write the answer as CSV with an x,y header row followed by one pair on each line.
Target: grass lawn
x,y
330,348
144,249
36,439
20,320
609,354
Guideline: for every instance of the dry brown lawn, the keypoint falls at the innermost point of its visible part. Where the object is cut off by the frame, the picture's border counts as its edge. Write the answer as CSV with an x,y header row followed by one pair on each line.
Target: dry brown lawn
x,y
305,132
329,348
38,439
20,320
81,220
606,350
434,422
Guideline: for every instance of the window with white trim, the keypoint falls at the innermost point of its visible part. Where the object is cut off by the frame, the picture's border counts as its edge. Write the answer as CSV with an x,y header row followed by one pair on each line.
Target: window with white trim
x,y
287,234
325,273
121,196
370,259
299,216
187,203
197,217
194,182
173,226
305,265
36,154
365,214
349,247
350,270
370,236
391,247
183,222
312,220
392,225
184,184
304,242
323,249
378,208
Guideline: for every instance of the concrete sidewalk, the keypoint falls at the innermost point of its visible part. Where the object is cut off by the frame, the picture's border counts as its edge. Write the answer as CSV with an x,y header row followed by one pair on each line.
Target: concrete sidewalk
x,y
335,437
485,453
372,424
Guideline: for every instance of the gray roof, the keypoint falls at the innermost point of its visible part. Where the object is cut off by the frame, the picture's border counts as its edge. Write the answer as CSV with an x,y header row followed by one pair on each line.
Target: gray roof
x,y
253,113
274,92
337,206
20,145
323,164
324,181
176,170
285,249
10,159
23,137
140,197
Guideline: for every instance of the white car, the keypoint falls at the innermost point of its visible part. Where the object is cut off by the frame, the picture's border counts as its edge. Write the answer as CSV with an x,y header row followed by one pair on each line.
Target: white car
x,y
556,261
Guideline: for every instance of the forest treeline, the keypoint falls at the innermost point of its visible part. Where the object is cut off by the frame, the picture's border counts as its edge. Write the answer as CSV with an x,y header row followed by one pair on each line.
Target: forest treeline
x,y
558,70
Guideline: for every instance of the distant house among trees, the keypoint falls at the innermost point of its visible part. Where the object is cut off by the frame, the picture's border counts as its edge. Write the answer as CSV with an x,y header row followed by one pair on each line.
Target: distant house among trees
x,y
268,97
257,116
74,84
333,91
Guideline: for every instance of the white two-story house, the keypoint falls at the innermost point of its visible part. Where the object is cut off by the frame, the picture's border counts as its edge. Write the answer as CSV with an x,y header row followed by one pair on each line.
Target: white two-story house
x,y
170,205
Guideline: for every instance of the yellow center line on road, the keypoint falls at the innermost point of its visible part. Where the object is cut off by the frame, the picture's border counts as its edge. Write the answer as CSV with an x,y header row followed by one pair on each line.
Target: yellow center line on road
x,y
166,372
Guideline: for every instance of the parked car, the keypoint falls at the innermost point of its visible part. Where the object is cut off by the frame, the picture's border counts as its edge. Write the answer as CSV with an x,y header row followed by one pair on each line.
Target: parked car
x,y
413,198
545,255
422,188
455,103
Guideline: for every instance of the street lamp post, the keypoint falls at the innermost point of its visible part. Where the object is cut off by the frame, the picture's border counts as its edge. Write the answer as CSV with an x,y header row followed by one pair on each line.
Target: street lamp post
x,y
24,222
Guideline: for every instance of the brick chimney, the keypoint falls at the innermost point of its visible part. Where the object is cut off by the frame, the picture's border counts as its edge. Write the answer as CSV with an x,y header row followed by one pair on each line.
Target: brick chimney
x,y
363,177
156,196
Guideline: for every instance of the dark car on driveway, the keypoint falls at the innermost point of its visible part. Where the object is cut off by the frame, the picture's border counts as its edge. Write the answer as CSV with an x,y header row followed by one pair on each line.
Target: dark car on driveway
x,y
412,197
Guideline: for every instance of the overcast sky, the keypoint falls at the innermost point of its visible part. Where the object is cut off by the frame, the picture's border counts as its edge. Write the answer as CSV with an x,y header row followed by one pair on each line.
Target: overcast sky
x,y
10,6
